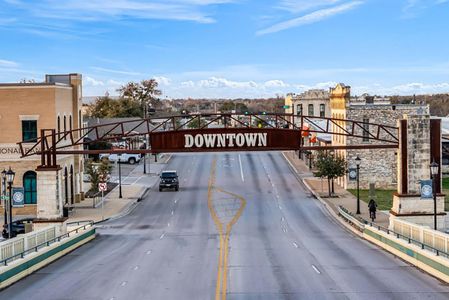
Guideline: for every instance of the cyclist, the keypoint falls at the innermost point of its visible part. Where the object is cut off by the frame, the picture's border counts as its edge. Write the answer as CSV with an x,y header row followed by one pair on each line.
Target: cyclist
x,y
372,205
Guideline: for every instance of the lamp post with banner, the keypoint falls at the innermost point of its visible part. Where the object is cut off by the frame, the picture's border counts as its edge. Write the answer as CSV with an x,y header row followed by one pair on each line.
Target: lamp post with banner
x,y
120,176
4,195
10,179
434,169
358,161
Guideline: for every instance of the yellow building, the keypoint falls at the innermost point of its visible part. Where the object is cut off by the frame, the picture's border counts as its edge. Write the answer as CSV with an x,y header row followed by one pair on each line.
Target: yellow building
x,y
25,109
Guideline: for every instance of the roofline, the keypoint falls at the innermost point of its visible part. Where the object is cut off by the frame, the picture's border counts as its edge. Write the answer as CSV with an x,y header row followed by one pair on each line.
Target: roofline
x,y
37,84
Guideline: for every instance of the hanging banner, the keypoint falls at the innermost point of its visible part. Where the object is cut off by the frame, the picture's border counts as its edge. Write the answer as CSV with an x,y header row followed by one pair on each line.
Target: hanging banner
x,y
426,189
18,196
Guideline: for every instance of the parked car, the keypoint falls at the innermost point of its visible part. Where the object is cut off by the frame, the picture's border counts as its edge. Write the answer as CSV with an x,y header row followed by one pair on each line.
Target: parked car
x,y
18,227
125,158
169,180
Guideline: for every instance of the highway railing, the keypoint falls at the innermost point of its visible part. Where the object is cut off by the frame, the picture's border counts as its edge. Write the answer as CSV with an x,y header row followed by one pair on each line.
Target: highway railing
x,y
436,248
439,244
16,248
17,245
355,221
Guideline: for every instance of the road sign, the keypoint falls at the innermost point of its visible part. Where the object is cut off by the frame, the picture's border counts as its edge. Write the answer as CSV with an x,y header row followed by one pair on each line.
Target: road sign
x,y
102,186
286,106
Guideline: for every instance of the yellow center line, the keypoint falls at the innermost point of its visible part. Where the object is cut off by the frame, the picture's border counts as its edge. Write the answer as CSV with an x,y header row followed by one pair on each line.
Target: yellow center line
x,y
221,286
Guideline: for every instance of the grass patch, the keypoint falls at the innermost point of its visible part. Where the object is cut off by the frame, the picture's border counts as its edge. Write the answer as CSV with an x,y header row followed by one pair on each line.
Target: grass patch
x,y
446,191
446,183
384,198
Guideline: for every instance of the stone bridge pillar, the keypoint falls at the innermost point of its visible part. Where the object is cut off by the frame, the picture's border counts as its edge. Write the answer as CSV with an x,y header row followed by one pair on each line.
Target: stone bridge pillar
x,y
419,145
49,202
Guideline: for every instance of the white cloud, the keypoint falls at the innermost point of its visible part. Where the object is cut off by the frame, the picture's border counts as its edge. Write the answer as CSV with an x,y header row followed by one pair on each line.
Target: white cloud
x,y
313,17
100,10
162,80
8,63
413,7
188,84
120,72
295,6
92,82
275,83
217,82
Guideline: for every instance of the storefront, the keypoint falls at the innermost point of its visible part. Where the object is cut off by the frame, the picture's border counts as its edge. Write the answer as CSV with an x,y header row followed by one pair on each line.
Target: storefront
x,y
25,109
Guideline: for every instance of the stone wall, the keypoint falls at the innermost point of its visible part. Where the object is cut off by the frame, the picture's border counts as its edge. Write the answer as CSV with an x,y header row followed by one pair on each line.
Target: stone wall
x,y
378,166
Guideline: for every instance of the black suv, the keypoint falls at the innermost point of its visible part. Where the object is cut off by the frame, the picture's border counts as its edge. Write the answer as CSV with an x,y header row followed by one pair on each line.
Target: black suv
x,y
169,180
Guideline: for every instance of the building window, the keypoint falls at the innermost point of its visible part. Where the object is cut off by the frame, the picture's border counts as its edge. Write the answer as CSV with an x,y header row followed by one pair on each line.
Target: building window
x,y
299,109
70,122
29,131
366,130
29,186
311,110
79,119
322,110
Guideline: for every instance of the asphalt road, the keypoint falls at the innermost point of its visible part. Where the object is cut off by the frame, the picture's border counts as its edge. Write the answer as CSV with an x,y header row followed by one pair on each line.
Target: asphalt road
x,y
241,226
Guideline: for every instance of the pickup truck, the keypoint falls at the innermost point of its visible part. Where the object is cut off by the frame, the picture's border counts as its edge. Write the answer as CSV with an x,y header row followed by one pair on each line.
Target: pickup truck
x,y
124,158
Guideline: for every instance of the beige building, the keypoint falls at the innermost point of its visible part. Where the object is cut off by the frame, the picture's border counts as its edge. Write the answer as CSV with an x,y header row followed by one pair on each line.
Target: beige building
x,y
378,166
25,109
310,103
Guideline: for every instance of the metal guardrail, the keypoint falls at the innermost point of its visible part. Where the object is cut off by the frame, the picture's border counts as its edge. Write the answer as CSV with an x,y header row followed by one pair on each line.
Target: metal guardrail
x,y
361,224
358,222
22,254
409,240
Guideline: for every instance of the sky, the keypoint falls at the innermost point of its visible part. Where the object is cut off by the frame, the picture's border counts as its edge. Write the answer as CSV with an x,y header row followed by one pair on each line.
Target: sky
x,y
230,48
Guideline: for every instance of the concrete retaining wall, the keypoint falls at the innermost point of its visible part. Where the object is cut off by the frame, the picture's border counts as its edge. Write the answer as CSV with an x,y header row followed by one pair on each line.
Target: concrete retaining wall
x,y
18,269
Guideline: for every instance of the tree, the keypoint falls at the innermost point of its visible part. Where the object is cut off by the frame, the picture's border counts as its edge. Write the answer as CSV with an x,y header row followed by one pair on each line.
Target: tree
x,y
106,107
196,123
144,93
97,172
330,166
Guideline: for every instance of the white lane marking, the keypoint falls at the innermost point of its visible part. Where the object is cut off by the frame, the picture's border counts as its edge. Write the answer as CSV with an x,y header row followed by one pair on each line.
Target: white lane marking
x,y
149,252
241,169
316,269
162,236
176,201
282,219
296,245
172,212
280,207
168,225
136,268
123,283
284,229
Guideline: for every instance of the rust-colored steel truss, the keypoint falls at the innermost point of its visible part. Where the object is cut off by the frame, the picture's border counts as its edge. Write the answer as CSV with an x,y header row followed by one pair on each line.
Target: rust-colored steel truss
x,y
52,143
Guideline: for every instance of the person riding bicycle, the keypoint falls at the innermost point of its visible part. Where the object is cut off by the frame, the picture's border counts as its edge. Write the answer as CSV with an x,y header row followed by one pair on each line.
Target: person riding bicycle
x,y
372,205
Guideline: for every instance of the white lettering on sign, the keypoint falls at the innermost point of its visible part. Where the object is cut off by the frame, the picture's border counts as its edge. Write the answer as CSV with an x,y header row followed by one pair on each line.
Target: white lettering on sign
x,y
223,140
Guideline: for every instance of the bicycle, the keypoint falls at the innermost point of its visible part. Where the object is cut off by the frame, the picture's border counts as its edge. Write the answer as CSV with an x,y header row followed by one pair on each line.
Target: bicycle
x,y
372,215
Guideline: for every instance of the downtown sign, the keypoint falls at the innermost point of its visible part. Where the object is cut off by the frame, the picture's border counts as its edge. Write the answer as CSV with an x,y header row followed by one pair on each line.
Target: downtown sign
x,y
225,139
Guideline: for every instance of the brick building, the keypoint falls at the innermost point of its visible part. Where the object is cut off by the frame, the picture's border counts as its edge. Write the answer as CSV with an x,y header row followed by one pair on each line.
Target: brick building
x,y
25,109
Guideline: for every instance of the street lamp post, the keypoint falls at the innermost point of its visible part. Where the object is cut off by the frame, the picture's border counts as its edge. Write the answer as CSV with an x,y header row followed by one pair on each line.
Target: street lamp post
x,y
120,176
357,163
434,172
10,179
4,195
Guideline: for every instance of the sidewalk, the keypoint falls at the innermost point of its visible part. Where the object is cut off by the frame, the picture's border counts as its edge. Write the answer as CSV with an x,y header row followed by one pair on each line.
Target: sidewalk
x,y
113,205
319,188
